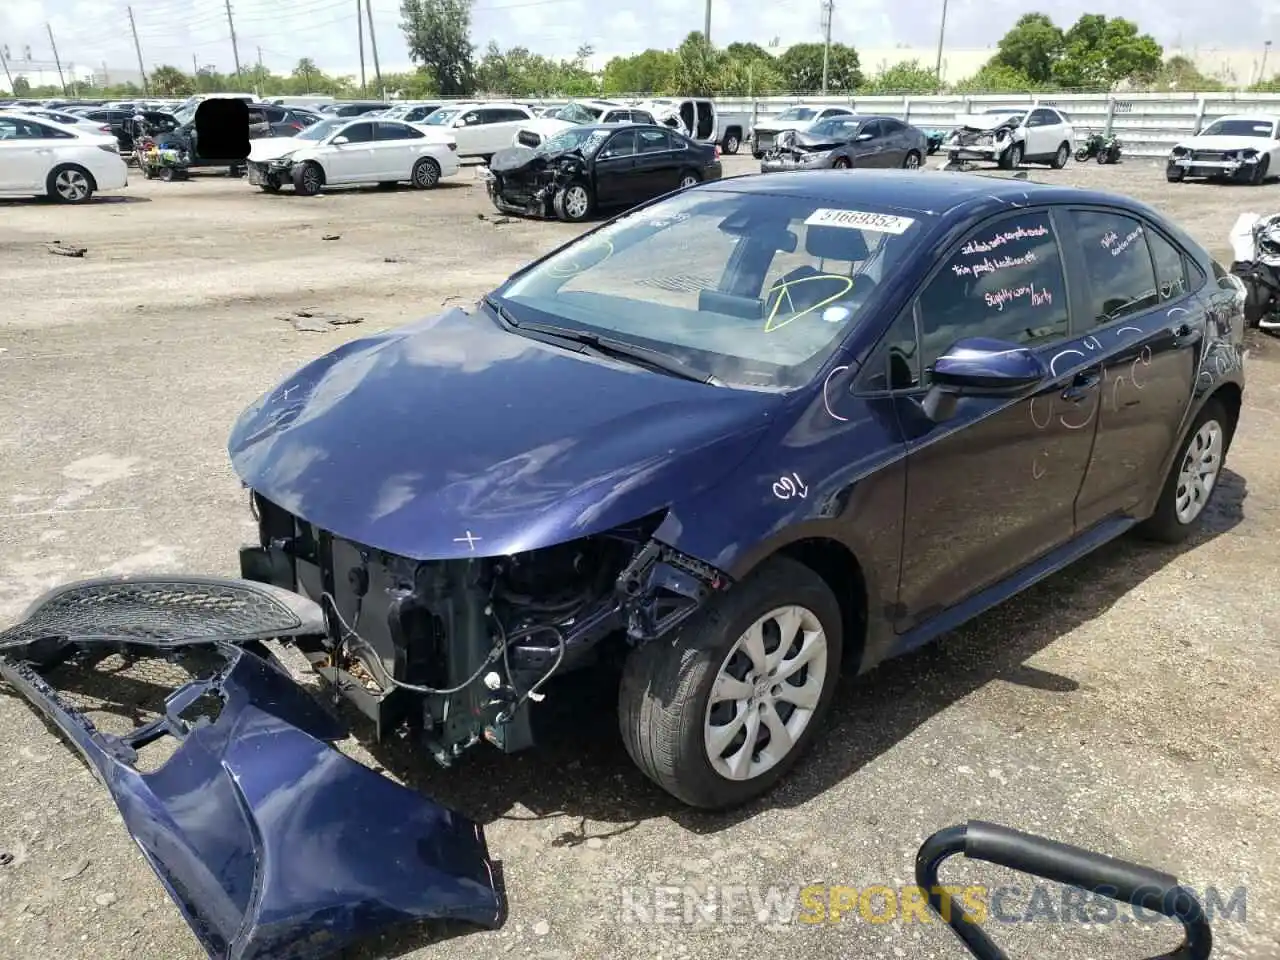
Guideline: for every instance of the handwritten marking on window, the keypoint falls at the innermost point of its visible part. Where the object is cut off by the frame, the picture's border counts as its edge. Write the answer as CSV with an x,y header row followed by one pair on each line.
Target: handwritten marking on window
x,y
1111,241
998,298
1000,239
987,265
790,486
783,289
584,259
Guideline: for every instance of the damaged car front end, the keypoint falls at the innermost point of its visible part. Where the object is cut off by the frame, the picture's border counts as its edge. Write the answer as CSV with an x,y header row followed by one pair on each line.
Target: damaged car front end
x,y
272,843
983,137
525,180
794,150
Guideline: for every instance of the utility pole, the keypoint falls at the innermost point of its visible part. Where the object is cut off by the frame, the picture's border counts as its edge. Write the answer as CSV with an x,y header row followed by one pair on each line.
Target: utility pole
x,y
828,7
235,50
4,62
942,32
373,44
260,73
706,28
137,48
360,39
56,61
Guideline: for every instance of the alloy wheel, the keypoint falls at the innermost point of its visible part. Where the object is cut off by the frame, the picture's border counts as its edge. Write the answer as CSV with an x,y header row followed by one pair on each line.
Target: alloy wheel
x,y
1199,474
688,181
576,202
913,161
765,693
426,174
71,185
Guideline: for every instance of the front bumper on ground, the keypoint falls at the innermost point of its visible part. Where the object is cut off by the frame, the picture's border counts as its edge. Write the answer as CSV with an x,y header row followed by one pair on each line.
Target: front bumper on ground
x,y
272,843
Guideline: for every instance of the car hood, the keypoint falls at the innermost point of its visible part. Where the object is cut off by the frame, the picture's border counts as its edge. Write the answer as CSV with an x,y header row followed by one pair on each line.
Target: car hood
x,y
414,440
985,121
1228,143
808,143
273,148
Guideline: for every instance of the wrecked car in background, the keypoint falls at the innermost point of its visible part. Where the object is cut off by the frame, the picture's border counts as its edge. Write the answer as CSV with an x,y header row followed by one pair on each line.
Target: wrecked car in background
x,y
533,132
1010,137
849,141
591,167
1243,147
799,119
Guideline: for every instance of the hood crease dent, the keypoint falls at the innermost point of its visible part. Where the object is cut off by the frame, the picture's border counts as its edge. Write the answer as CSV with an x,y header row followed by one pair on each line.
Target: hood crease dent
x,y
409,440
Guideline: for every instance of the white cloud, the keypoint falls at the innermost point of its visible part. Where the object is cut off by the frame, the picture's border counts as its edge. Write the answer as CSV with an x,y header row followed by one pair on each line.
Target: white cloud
x,y
89,34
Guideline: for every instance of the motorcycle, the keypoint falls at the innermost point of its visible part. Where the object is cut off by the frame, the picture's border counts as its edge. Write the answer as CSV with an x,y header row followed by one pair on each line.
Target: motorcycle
x,y
1255,250
1103,149
936,138
1060,863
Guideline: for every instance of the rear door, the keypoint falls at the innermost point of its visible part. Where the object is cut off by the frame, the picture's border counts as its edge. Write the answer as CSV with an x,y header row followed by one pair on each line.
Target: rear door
x,y
1143,330
393,149
895,142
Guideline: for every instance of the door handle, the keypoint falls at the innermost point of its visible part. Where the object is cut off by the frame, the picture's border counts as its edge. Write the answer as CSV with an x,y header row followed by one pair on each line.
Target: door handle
x,y
1081,386
1184,335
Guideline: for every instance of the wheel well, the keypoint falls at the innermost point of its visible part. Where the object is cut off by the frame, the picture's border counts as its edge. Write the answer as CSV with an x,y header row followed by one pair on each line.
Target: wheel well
x,y
1232,399
733,130
840,570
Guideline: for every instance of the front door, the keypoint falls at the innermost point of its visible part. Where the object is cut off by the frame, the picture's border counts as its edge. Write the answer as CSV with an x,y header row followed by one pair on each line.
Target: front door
x,y
870,145
993,488
1144,333
1040,134
658,163
352,161
617,178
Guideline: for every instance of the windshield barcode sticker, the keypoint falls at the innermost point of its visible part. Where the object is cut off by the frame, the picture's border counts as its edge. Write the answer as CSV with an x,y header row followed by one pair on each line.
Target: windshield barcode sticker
x,y
858,220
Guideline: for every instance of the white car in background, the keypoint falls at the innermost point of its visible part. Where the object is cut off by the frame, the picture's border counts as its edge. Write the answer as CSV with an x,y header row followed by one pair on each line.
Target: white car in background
x,y
1243,146
1009,136
347,150
574,114
66,164
798,118
70,120
480,129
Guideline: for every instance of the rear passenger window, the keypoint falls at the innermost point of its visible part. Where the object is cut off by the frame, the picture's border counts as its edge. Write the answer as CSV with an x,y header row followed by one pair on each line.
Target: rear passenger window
x,y
1171,267
1117,264
1004,282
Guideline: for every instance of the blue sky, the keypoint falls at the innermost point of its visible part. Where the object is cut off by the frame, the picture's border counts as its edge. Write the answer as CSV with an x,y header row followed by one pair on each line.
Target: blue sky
x,y
89,32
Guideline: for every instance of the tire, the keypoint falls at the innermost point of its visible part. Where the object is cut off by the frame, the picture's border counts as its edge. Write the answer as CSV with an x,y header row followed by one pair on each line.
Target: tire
x,y
425,174
1061,157
1209,435
386,184
840,163
912,160
1011,159
308,179
758,154
69,183
664,702
573,204
689,179
167,174
1101,158
1175,174
1260,172
731,144
1082,155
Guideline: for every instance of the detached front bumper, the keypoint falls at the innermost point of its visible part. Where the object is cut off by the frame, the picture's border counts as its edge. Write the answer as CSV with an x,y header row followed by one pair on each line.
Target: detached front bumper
x,y
271,842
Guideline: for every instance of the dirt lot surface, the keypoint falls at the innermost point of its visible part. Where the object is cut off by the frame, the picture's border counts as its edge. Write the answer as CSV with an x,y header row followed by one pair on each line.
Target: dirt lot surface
x,y
1129,704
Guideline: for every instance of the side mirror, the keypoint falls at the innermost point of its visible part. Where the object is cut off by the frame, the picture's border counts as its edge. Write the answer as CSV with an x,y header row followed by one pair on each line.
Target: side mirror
x,y
979,367
339,141
863,136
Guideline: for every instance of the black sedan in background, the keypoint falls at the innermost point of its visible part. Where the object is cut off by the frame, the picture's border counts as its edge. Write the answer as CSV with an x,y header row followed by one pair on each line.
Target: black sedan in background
x,y
849,141
595,166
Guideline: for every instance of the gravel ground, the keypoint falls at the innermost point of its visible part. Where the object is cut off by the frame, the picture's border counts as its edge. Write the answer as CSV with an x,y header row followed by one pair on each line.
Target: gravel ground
x,y
1128,704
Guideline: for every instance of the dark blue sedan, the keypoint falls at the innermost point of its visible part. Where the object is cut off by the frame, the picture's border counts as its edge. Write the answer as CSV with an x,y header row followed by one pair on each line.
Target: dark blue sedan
x,y
740,438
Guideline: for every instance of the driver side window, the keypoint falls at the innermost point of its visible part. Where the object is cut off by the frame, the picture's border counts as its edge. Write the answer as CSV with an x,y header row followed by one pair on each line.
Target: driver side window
x,y
1005,281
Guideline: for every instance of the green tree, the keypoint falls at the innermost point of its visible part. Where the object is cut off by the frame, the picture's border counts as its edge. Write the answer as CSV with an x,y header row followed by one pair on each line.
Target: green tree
x,y
652,72
697,66
748,52
909,78
414,85
437,33
21,86
1032,47
169,81
801,68
1180,73
996,77
1100,52
748,76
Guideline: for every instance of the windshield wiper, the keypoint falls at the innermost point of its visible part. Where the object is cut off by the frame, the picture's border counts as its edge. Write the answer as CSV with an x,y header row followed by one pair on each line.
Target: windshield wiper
x,y
617,349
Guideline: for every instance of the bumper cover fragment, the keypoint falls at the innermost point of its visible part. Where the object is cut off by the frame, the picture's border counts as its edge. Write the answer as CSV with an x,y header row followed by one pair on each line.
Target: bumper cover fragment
x,y
271,842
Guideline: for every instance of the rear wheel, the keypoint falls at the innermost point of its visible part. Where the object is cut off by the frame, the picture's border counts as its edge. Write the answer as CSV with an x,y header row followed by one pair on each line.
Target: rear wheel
x,y
840,163
719,713
70,184
426,173
912,161
1193,477
308,179
1062,156
689,179
731,144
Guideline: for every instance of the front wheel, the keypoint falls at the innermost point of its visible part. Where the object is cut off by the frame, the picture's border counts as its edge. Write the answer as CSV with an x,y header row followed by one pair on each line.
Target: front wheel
x,y
1082,155
1061,157
572,203
840,163
719,713
426,173
1193,477
1011,159
1175,174
307,179
1260,172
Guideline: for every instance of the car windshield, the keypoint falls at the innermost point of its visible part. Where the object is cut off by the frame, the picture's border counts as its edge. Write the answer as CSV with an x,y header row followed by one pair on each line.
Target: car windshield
x,y
321,129
798,113
1240,128
441,117
588,141
753,289
835,127
577,113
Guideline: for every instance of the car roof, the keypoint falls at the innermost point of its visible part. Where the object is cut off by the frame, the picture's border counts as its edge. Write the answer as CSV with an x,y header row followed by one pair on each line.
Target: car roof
x,y
935,192
1269,117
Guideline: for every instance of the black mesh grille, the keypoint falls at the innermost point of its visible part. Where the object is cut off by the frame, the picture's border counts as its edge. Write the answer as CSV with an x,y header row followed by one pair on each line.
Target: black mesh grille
x,y
528,138
155,609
